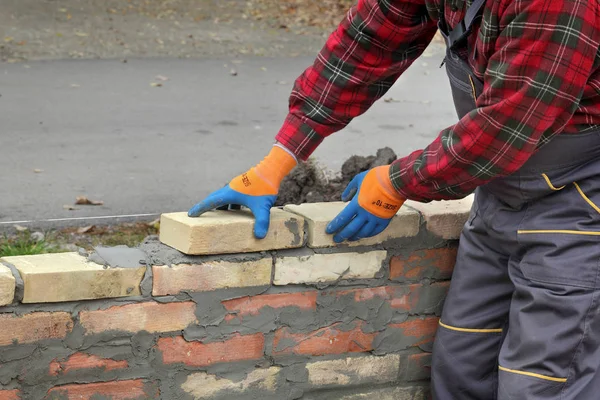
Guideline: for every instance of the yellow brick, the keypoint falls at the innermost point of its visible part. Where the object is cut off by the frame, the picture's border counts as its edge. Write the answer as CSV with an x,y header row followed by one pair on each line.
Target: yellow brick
x,y
444,218
354,371
202,385
68,277
318,215
7,286
327,267
225,232
210,275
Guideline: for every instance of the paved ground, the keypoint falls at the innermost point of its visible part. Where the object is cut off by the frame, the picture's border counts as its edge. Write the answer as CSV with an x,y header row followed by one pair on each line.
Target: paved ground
x,y
98,128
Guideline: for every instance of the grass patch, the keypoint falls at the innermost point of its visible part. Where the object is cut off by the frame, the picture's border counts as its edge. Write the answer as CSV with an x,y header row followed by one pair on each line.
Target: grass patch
x,y
70,239
22,244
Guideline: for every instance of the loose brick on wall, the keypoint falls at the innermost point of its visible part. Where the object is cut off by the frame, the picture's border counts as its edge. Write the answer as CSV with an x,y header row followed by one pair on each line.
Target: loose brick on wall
x,y
69,277
171,280
149,316
319,215
429,263
34,327
198,354
7,286
226,232
444,218
135,389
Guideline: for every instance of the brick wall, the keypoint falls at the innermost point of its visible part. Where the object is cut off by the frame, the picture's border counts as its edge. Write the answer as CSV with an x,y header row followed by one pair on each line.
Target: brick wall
x,y
290,317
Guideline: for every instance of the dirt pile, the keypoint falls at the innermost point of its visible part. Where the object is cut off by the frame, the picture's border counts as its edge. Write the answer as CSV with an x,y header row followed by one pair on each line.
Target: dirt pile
x,y
310,183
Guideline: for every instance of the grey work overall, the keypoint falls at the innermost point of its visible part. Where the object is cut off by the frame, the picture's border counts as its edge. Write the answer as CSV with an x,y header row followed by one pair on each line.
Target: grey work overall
x,y
522,316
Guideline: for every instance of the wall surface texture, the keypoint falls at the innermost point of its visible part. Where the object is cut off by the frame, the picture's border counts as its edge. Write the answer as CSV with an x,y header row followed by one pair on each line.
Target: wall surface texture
x,y
293,316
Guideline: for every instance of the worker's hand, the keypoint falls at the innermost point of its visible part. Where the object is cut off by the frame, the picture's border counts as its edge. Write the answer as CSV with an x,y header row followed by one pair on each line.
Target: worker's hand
x,y
256,189
374,202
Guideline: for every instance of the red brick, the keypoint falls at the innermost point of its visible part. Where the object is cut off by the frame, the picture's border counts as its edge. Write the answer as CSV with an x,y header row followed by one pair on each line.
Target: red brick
x,y
328,340
253,305
151,317
33,327
10,395
422,329
405,297
82,361
432,263
238,348
116,390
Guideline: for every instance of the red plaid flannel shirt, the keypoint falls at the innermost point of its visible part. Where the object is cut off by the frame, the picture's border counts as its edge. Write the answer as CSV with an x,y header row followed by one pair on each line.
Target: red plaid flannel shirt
x,y
538,59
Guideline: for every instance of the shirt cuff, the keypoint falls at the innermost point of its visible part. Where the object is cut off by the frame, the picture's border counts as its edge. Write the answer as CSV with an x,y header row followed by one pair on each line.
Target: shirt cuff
x,y
298,137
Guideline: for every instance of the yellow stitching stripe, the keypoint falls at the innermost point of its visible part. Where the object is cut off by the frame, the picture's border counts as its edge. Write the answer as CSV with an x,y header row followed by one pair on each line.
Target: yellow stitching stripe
x,y
550,185
591,203
453,328
567,232
473,88
545,377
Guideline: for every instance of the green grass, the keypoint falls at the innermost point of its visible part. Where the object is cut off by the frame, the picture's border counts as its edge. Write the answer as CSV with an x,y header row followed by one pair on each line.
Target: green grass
x,y
22,245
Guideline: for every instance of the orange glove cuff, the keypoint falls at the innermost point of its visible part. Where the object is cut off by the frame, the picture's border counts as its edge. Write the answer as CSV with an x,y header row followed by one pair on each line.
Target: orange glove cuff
x,y
377,194
265,178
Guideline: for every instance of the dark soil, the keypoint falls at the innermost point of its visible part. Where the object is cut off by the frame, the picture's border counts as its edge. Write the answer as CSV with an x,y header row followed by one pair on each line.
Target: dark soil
x,y
308,184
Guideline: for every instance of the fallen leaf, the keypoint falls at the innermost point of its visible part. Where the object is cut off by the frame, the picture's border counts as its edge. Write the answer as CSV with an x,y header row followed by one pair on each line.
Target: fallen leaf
x,y
85,201
69,207
263,68
81,34
62,10
85,229
162,78
8,39
154,84
20,228
38,171
69,16
75,85
22,43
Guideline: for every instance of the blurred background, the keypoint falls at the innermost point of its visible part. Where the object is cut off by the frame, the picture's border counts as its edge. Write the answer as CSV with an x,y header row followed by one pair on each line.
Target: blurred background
x,y
114,111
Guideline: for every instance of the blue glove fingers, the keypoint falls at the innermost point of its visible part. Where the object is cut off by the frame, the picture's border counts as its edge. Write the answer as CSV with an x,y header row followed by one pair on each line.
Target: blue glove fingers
x,y
365,231
261,208
351,229
343,218
353,187
219,198
381,225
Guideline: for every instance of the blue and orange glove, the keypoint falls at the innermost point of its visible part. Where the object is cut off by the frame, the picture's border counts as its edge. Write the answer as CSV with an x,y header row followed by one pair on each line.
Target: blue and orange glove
x,y
256,189
374,202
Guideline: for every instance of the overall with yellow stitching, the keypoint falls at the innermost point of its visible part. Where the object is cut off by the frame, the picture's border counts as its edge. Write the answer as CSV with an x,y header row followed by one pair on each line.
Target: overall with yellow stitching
x,y
521,321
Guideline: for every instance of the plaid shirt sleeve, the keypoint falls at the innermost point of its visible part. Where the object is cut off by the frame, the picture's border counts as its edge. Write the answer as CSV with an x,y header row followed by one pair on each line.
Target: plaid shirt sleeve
x,y
361,60
533,84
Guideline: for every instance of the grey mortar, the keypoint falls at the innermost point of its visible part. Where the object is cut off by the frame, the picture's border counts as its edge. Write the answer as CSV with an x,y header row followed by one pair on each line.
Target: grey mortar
x,y
19,285
147,282
119,257
161,254
294,227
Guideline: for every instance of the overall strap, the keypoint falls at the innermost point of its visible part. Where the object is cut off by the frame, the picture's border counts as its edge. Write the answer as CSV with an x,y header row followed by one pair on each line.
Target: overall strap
x,y
463,28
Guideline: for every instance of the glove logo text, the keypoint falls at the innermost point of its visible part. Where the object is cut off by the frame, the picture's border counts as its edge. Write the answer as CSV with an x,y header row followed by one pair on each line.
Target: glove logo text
x,y
385,206
246,180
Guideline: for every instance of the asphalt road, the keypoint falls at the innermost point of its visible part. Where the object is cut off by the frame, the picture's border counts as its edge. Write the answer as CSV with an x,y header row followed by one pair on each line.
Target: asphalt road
x,y
98,128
